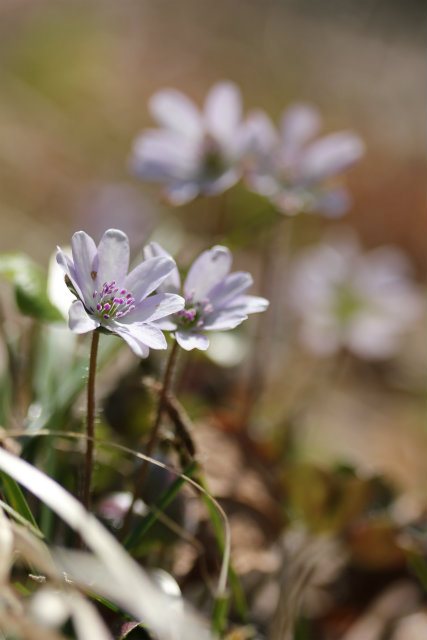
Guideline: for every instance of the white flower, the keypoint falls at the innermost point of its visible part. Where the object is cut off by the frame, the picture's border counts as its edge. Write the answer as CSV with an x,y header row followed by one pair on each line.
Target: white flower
x,y
110,298
364,302
215,299
292,169
195,152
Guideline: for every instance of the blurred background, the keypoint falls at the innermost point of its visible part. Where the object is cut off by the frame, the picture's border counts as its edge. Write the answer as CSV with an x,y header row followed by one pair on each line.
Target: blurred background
x,y
76,77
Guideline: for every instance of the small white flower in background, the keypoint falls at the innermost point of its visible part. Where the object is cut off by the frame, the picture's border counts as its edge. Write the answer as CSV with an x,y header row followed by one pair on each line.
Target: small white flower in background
x,y
110,298
344,298
195,152
293,169
215,299
59,295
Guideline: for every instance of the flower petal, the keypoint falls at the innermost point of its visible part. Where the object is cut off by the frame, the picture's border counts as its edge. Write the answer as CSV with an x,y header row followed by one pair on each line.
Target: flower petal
x,y
233,315
188,340
78,319
140,337
209,269
113,257
299,123
232,286
162,154
154,307
139,348
172,283
330,155
84,255
333,203
223,320
249,304
179,193
174,110
372,337
223,110
221,184
147,276
67,265
166,324
260,132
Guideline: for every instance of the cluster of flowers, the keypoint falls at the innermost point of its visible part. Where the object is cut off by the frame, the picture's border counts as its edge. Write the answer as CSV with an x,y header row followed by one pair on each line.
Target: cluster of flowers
x,y
206,152
138,305
341,297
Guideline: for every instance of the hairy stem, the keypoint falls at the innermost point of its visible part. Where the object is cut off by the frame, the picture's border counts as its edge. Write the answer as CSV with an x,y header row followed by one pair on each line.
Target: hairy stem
x,y
153,437
90,420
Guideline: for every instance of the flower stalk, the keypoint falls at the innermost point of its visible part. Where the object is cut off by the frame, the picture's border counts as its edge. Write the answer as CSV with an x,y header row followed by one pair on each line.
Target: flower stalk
x,y
153,436
90,420
277,246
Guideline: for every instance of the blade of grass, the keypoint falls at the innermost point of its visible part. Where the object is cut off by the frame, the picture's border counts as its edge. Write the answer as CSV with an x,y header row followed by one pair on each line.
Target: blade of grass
x,y
212,504
165,499
15,497
17,516
128,583
46,515
235,584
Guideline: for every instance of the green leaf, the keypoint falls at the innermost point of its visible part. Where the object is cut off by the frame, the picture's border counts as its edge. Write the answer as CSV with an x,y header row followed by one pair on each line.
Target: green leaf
x,y
29,282
219,615
17,516
16,499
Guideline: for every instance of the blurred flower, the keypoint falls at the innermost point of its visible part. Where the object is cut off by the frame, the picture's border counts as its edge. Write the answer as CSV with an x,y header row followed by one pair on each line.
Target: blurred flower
x,y
215,299
195,152
110,298
61,298
290,168
345,298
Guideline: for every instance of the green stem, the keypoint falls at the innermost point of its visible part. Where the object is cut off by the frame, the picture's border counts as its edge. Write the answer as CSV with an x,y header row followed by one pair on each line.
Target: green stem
x,y
266,322
153,437
90,420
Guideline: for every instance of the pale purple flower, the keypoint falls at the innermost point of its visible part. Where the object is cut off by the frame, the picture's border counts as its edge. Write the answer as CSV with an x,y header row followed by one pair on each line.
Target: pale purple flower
x,y
344,298
195,151
215,299
292,168
110,298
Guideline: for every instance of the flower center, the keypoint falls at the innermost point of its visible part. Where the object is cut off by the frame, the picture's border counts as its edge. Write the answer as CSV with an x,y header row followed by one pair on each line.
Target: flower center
x,y
213,162
194,313
112,302
347,304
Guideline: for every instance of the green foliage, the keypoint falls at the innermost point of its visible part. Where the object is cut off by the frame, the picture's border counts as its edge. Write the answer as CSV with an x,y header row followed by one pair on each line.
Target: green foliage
x,y
29,283
17,501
